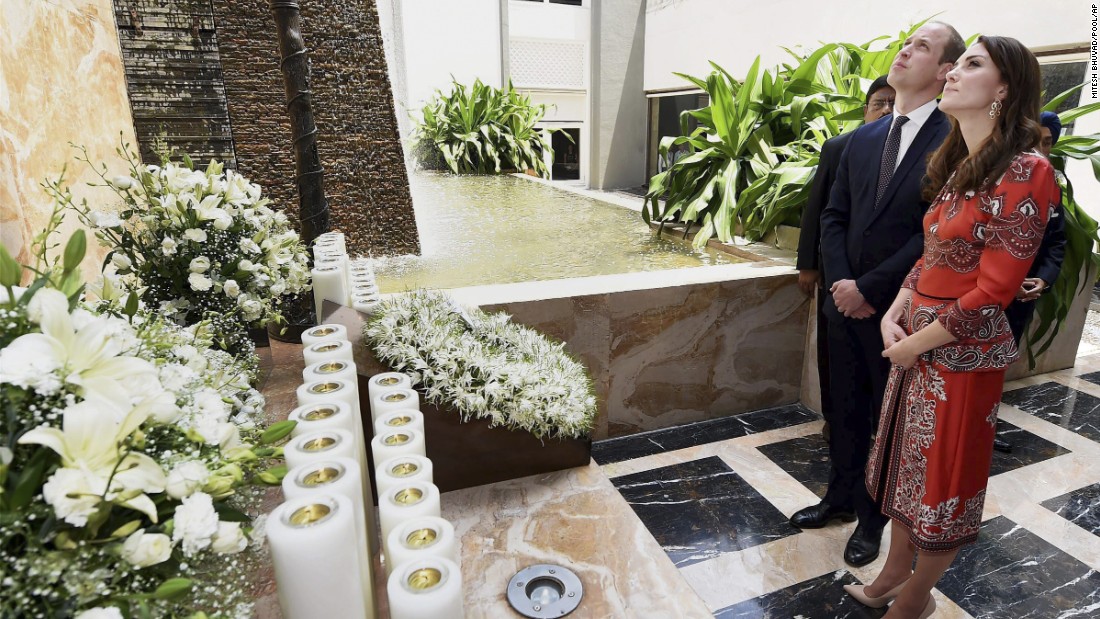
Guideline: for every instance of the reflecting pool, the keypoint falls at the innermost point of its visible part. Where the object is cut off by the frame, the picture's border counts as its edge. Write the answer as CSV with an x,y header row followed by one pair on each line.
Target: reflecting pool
x,y
477,230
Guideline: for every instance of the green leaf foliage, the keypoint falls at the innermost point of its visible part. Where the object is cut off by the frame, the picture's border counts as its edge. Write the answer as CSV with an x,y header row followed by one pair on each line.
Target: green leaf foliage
x,y
480,129
748,164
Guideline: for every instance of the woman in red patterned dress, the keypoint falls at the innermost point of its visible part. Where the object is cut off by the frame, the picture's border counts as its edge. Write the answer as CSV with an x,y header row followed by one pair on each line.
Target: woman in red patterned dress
x,y
946,333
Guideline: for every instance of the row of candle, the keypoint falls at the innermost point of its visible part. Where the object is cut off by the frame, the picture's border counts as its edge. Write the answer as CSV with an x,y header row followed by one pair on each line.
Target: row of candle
x,y
338,279
327,490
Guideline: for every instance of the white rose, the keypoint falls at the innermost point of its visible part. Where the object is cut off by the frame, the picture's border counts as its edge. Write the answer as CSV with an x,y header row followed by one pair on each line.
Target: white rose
x,y
144,549
121,262
73,499
196,235
196,522
250,307
229,539
249,246
231,288
121,182
199,282
99,612
168,246
105,220
199,265
246,265
229,436
186,478
223,220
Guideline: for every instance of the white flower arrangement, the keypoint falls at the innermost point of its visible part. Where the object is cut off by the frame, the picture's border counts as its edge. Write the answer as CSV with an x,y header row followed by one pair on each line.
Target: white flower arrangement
x,y
198,244
483,365
130,447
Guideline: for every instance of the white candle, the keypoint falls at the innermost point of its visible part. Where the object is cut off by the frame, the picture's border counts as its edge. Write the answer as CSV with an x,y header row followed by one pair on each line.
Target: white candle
x,y
404,419
320,445
329,389
340,476
364,290
426,588
363,283
328,284
324,351
410,500
396,443
392,400
365,295
421,537
402,470
387,381
331,415
334,369
315,574
366,307
323,333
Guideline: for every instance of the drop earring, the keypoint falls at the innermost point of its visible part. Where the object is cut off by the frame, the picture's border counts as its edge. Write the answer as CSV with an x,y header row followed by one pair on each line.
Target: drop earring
x,y
995,109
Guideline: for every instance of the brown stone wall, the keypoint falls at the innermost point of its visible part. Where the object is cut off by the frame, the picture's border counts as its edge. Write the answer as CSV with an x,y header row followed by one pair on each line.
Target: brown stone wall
x,y
365,177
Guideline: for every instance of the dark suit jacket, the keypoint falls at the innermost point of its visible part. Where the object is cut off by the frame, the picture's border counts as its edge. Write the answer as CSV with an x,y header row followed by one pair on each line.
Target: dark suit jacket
x,y
877,246
809,239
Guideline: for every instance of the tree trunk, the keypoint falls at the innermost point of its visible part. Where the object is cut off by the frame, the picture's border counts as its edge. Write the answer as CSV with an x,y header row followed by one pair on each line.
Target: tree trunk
x,y
313,207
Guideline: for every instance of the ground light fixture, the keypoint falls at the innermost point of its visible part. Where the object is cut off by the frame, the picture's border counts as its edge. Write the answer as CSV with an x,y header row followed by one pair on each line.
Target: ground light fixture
x,y
545,591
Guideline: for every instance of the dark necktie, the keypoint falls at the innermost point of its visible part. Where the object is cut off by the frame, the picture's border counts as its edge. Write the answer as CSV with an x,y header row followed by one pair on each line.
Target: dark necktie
x,y
889,158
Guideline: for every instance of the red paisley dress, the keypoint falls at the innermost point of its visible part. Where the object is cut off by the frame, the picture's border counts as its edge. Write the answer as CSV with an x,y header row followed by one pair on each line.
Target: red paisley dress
x,y
930,463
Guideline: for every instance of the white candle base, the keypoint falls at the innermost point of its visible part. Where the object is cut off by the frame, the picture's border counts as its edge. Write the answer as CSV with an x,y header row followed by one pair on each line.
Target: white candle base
x,y
396,443
320,445
421,537
386,381
324,333
402,470
428,588
404,419
394,399
327,351
331,369
315,574
406,501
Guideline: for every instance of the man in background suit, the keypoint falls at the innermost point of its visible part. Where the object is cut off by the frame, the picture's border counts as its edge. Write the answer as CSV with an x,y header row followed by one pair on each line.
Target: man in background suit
x,y
871,235
878,103
1048,261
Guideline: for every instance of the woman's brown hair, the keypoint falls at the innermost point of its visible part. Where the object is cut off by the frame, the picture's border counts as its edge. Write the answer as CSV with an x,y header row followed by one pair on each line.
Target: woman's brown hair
x,y
1016,129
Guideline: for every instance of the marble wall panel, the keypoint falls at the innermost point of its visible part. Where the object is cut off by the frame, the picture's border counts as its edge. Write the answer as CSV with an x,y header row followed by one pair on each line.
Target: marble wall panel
x,y
61,81
668,356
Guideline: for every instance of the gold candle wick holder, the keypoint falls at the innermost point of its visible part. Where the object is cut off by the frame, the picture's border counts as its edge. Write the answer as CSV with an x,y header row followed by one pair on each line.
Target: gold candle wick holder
x,y
421,538
310,515
396,439
325,388
404,469
395,397
403,420
322,331
326,347
388,380
317,414
320,444
423,579
321,476
331,367
408,496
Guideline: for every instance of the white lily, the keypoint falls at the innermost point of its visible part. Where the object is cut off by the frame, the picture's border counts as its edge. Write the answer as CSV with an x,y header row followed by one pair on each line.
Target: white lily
x,y
90,441
87,357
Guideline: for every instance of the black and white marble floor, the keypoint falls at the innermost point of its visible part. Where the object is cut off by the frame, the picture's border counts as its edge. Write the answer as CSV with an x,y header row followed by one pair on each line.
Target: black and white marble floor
x,y
716,497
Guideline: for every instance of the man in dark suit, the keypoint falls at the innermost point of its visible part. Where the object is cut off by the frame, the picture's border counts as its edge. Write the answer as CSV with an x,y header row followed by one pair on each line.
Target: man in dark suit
x,y
871,234
878,103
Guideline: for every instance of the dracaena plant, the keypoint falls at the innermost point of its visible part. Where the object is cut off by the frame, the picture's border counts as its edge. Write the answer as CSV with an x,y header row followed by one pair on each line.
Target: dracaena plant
x,y
480,129
1081,262
748,165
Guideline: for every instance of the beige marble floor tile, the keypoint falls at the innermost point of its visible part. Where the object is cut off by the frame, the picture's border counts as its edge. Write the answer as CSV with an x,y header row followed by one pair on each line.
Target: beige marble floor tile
x,y
574,518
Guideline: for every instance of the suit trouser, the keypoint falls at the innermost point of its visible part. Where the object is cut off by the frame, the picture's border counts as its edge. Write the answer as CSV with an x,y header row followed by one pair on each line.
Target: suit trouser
x,y
857,381
823,354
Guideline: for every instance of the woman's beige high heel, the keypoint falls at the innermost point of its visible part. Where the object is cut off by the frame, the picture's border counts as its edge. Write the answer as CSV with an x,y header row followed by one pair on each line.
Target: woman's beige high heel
x,y
928,608
856,591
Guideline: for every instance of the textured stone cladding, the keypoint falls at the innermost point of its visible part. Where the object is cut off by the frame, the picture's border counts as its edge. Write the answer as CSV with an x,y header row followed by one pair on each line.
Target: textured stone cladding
x,y
365,177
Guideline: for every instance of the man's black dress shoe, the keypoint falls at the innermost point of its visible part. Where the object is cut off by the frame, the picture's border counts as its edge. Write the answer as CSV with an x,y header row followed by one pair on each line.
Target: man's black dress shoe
x,y
863,546
820,515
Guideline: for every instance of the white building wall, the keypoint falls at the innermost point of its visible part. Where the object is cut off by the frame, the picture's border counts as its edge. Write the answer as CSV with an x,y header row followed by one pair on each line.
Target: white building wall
x,y
441,38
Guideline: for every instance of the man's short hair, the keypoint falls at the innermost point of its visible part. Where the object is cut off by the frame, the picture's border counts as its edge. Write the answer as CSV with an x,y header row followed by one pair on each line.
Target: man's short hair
x,y
877,85
955,44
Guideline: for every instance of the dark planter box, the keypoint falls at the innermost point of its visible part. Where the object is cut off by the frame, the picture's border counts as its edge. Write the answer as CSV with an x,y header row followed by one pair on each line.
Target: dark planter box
x,y
466,454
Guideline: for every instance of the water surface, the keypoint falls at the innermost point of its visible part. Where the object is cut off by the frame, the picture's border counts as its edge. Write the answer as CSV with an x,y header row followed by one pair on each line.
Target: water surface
x,y
477,230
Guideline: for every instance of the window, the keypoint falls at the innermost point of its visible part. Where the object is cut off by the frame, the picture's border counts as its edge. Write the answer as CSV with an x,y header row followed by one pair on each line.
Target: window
x,y
664,121
1059,76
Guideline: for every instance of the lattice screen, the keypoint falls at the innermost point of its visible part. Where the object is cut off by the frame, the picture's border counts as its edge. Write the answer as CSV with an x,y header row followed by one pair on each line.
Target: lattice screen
x,y
547,63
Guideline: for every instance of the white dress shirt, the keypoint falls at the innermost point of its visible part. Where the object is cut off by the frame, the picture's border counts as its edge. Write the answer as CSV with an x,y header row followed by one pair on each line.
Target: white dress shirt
x,y
909,130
